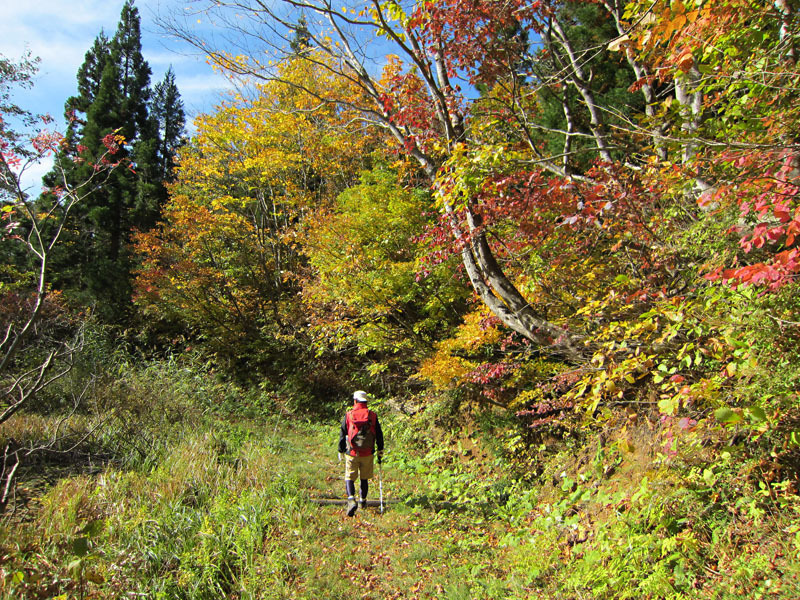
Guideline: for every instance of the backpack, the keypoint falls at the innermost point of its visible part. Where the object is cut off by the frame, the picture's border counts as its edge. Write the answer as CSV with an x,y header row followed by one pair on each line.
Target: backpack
x,y
361,431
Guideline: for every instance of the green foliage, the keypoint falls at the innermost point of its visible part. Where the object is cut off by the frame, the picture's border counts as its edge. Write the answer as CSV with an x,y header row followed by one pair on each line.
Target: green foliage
x,y
223,511
366,259
665,537
114,98
366,302
588,28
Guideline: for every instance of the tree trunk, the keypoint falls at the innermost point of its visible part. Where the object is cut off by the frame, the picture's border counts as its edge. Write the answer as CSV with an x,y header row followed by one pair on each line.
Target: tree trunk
x,y
502,297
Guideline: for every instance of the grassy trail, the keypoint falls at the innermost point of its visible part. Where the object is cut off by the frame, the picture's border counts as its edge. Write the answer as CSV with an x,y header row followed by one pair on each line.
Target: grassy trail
x,y
406,552
226,513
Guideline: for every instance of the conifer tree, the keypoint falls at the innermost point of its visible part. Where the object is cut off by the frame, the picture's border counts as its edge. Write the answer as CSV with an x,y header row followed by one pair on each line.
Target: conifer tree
x,y
89,75
170,119
302,39
157,149
114,96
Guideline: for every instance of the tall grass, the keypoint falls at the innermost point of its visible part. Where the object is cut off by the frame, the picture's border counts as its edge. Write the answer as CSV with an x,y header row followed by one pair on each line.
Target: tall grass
x,y
195,525
217,507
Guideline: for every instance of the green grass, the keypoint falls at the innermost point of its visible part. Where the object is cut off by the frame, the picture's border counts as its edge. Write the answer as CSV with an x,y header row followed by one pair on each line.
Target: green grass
x,y
225,513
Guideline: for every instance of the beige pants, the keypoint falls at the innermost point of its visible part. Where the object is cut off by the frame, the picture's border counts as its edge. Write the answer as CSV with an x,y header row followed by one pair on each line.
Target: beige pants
x,y
358,467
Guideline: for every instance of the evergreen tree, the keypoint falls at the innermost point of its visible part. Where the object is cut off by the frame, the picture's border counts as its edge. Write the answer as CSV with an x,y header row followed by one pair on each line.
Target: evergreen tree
x,y
70,260
114,97
170,118
588,28
302,37
89,75
157,150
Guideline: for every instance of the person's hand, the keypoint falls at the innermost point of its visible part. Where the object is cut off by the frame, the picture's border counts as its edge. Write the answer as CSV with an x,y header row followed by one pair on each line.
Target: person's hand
x,y
380,457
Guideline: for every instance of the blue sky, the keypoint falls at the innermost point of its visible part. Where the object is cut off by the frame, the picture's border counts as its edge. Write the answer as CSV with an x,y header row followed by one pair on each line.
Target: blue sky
x,y
60,32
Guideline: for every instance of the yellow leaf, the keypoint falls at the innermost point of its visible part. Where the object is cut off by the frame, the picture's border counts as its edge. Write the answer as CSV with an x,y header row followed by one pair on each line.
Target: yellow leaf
x,y
679,22
625,445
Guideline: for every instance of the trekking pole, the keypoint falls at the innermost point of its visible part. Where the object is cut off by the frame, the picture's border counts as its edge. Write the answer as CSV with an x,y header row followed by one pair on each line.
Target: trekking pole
x,y
380,483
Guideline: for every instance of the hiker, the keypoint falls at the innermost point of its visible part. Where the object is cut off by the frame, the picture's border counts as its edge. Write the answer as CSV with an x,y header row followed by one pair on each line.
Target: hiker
x,y
360,435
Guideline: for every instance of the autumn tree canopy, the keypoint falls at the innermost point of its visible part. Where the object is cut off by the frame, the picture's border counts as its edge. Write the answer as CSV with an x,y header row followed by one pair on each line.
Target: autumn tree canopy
x,y
524,57
226,261
575,151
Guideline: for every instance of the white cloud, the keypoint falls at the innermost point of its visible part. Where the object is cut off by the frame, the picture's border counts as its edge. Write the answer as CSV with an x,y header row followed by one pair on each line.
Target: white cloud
x,y
60,32
201,93
161,58
80,12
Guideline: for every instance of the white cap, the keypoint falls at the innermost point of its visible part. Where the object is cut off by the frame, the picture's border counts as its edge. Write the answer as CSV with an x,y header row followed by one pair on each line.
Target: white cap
x,y
360,396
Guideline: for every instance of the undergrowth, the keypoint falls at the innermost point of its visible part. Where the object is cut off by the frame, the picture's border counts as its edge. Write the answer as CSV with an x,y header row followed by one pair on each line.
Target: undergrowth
x,y
219,506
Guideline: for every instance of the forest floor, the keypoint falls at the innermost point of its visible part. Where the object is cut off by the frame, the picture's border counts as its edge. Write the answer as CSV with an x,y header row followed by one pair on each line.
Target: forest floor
x,y
227,511
229,514
416,548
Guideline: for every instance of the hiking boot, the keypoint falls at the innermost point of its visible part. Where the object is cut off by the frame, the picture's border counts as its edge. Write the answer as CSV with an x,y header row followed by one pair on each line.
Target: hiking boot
x,y
351,507
363,503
